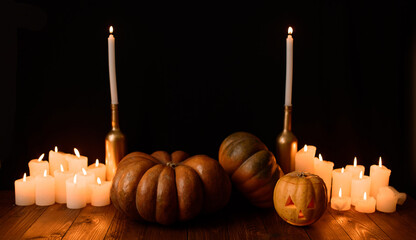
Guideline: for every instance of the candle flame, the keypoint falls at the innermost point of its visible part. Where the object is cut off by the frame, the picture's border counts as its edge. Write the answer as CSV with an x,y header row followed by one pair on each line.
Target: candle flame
x,y
84,172
41,157
97,163
111,29
305,148
365,196
77,152
290,30
24,177
56,149
320,158
62,168
44,173
75,179
342,170
355,161
379,162
98,180
340,192
361,174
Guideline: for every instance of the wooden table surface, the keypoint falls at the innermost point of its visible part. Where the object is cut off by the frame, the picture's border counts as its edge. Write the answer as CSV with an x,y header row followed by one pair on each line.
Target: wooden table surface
x,y
237,221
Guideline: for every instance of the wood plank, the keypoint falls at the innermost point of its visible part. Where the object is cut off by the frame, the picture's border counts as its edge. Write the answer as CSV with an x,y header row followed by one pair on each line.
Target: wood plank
x,y
400,224
123,228
53,224
245,223
277,228
91,223
156,231
213,226
326,228
6,202
358,225
16,221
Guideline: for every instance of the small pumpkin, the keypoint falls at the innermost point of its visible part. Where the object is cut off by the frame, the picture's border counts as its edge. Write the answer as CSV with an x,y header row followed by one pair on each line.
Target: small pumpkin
x,y
300,198
251,167
166,188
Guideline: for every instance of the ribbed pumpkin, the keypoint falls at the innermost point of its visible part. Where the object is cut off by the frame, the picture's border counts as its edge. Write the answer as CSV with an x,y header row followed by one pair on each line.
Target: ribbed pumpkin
x,y
251,167
300,198
166,188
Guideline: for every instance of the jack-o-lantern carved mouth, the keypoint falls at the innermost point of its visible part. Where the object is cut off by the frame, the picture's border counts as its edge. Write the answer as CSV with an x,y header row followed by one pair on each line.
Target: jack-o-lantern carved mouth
x,y
290,204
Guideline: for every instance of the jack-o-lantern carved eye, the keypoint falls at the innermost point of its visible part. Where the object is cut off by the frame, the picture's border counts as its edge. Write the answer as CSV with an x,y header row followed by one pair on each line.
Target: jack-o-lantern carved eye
x,y
311,203
289,202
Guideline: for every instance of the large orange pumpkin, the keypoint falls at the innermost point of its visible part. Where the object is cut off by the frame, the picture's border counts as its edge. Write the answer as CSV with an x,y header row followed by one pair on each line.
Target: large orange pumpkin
x,y
300,198
167,188
251,166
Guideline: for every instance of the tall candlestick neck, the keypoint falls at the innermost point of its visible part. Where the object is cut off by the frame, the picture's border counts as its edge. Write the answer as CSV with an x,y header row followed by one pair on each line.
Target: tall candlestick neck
x,y
287,122
114,117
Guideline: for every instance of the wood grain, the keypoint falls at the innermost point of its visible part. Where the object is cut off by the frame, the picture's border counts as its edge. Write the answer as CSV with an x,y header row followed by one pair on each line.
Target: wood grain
x,y
53,223
16,221
6,201
123,228
91,223
326,227
212,226
358,225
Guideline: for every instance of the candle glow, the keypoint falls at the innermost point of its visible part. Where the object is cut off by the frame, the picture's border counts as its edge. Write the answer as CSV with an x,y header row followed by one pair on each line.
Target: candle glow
x,y
99,181
84,172
340,192
41,157
365,196
342,170
320,158
62,168
379,162
355,161
75,179
44,173
305,148
24,177
361,174
111,29
97,163
77,153
56,149
290,30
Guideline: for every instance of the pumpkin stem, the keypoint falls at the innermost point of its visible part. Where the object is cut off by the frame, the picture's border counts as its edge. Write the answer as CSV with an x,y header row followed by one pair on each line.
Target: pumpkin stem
x,y
171,164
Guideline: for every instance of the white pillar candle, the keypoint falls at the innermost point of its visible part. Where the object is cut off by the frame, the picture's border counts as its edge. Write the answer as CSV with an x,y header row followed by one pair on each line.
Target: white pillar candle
x,y
341,179
340,202
365,205
76,162
304,159
355,169
75,193
380,176
37,166
56,159
45,189
24,190
98,169
386,200
401,197
289,67
88,178
112,67
100,193
324,170
359,186
60,184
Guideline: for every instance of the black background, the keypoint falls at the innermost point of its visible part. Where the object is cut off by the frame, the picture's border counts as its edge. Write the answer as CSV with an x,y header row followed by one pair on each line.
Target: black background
x,y
191,73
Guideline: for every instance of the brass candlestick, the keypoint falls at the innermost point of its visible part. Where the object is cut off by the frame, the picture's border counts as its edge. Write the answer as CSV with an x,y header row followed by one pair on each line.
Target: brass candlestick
x,y
115,144
287,144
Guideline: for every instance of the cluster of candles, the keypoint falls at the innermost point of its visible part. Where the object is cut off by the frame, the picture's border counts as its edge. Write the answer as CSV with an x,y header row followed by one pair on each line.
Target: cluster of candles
x,y
65,179
350,186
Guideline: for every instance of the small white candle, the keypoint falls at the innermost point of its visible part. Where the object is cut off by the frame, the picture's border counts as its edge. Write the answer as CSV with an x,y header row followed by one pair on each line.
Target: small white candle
x,y
304,159
359,186
88,178
99,169
100,193
355,169
56,159
340,202
365,205
24,190
386,200
75,193
380,176
37,166
112,67
60,184
45,189
324,170
76,162
289,67
341,179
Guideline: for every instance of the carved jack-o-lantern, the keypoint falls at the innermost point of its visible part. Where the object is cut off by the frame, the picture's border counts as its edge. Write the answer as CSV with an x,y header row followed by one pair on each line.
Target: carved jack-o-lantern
x,y
300,198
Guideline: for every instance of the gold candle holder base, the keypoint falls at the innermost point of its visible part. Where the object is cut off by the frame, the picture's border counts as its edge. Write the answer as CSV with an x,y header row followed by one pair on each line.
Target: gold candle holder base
x,y
287,144
115,144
